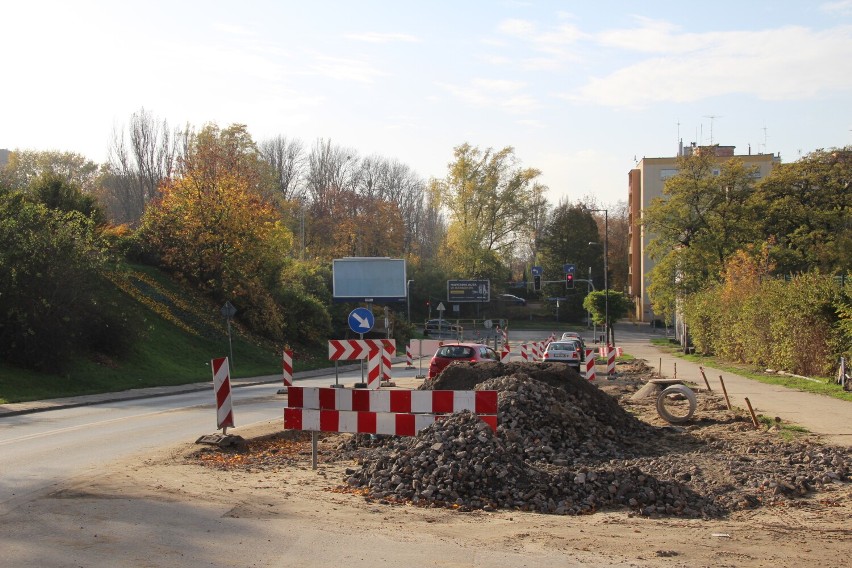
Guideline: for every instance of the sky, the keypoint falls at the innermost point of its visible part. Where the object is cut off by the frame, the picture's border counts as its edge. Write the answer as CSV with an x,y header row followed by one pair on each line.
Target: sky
x,y
579,89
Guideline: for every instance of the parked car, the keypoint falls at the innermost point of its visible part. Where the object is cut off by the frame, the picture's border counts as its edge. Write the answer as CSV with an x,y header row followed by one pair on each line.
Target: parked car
x,y
574,336
567,351
440,327
512,299
455,352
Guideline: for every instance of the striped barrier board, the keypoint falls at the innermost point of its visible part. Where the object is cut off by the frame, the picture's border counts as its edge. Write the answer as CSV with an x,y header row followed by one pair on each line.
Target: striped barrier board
x,y
398,412
222,390
436,401
362,422
287,367
378,353
590,364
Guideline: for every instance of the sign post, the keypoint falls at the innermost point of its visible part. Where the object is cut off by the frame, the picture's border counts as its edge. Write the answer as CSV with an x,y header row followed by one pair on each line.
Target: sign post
x,y
228,311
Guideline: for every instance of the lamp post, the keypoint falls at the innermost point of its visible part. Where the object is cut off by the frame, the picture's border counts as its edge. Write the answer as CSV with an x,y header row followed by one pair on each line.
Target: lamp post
x,y
408,299
606,271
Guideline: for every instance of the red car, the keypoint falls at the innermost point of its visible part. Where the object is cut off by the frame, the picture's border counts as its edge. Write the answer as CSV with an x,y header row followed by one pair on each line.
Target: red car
x,y
450,353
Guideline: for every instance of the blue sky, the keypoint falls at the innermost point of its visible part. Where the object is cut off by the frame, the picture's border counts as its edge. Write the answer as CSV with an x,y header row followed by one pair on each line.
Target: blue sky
x,y
579,89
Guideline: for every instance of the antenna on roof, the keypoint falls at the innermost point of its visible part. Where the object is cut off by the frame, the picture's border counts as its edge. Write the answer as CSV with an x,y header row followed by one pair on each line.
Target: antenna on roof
x,y
712,117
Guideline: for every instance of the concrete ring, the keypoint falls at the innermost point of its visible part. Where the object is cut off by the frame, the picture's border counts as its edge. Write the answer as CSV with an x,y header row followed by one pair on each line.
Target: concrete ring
x,y
664,412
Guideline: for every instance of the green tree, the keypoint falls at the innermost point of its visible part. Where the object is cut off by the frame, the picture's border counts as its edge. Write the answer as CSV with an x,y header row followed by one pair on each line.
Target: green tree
x,y
489,198
705,214
56,192
616,304
807,207
51,287
25,166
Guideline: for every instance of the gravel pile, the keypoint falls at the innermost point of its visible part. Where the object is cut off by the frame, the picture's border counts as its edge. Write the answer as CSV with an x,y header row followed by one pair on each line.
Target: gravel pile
x,y
564,447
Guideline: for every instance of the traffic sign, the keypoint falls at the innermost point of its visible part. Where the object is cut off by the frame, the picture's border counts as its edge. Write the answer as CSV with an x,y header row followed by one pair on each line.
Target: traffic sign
x,y
537,271
568,268
228,310
361,320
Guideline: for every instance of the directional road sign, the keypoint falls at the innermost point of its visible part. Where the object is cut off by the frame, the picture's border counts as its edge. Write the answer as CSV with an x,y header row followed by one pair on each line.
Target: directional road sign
x,y
361,320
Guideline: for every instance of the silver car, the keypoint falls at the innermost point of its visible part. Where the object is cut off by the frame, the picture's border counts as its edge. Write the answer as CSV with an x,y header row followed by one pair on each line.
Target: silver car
x,y
568,351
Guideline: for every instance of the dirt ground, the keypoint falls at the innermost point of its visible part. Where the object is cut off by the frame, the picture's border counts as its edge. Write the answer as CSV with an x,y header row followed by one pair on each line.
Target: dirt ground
x,y
270,477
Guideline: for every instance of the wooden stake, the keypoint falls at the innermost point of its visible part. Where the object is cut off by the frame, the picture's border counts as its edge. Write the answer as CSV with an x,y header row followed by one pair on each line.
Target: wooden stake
x,y
661,366
675,376
724,390
706,382
753,416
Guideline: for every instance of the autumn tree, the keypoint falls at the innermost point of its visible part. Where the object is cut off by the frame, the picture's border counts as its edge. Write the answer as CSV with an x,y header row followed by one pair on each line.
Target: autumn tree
x,y
488,196
213,227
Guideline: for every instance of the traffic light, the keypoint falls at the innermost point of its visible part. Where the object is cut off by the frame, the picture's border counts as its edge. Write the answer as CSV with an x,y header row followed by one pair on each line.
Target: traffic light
x,y
536,282
569,280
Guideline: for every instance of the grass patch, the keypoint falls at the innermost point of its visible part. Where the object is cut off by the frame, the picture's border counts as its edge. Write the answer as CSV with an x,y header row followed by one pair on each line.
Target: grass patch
x,y
816,385
181,332
788,432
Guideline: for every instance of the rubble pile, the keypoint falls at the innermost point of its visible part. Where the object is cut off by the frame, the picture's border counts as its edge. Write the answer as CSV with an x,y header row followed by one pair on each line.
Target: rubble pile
x,y
562,446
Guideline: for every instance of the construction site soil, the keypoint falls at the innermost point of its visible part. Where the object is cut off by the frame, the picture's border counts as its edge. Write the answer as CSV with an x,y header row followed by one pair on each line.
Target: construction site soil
x,y
565,446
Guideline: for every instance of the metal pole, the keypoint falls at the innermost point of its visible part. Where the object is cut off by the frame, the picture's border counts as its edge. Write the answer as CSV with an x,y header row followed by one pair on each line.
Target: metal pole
x,y
606,275
230,346
408,299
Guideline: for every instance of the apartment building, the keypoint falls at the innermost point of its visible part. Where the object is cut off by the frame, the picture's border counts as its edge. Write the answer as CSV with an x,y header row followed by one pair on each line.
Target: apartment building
x,y
645,182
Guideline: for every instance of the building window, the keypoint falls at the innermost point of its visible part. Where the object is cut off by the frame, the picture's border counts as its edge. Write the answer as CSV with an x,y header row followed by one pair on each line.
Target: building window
x,y
667,173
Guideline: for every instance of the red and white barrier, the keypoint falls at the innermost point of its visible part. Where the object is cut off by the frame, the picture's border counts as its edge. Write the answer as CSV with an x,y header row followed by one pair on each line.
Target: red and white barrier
x,y
590,364
378,353
505,354
287,367
359,422
610,361
222,390
436,401
400,412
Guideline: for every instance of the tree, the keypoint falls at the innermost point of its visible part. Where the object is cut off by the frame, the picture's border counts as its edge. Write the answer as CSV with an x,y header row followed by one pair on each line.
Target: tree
x,y
701,219
140,160
57,193
565,240
286,157
599,304
54,306
25,166
807,207
214,227
488,196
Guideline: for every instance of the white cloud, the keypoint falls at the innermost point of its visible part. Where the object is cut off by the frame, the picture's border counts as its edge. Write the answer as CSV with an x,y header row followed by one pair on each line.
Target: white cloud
x,y
345,69
790,63
376,37
494,93
842,7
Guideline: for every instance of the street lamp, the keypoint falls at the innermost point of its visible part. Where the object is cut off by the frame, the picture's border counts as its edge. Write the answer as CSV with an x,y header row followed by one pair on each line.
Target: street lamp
x,y
606,270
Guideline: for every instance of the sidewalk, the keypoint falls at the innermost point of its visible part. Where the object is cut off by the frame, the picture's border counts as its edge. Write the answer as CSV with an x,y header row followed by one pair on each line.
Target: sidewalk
x,y
828,417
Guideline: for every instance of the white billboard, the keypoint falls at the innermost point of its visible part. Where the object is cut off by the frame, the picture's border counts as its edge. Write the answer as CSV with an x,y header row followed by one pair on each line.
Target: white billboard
x,y
369,279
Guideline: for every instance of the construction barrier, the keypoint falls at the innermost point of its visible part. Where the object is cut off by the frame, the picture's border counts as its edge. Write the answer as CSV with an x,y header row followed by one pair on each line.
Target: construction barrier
x,y
398,412
376,351
287,367
590,364
610,361
222,390
505,354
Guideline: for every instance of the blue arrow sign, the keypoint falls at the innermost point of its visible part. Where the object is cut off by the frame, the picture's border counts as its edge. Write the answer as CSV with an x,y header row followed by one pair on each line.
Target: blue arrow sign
x,y
537,271
361,320
568,268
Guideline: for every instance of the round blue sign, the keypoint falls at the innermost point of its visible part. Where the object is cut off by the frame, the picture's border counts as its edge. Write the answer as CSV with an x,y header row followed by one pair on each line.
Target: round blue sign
x,y
361,320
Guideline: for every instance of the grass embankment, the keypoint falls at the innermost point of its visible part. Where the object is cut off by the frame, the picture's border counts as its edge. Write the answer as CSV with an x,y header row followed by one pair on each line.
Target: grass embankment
x,y
181,333
817,385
